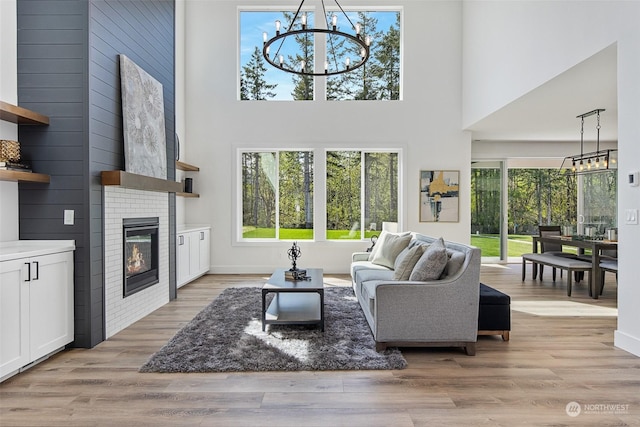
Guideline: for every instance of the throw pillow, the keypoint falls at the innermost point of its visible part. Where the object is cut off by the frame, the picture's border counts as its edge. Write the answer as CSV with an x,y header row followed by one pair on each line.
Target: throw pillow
x,y
403,267
390,245
432,263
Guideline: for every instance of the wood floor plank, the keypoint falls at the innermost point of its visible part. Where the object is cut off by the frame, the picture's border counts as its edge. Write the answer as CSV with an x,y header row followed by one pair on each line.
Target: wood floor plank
x,y
549,362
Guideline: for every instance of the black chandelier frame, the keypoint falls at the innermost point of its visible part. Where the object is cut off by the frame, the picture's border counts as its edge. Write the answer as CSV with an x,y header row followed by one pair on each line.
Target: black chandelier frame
x,y
596,161
333,32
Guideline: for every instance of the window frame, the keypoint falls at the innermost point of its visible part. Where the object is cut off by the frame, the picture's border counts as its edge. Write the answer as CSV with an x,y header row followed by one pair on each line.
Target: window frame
x,y
400,189
319,82
238,216
319,190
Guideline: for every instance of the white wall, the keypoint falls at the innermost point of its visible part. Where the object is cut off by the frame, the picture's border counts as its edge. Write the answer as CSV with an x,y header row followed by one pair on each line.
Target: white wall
x,y
426,124
8,93
536,41
180,101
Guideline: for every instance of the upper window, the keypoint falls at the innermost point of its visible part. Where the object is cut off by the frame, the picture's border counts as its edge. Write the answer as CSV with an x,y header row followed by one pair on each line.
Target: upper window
x,y
378,79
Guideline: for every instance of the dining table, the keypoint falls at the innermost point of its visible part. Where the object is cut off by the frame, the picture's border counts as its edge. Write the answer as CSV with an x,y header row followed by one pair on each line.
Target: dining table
x,y
594,245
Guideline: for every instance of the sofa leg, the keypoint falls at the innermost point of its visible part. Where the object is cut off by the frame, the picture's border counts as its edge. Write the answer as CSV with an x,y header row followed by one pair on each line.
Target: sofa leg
x,y
380,346
470,349
505,335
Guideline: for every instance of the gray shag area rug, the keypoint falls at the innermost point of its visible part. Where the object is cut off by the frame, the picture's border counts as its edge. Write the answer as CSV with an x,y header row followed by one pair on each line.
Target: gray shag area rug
x,y
227,336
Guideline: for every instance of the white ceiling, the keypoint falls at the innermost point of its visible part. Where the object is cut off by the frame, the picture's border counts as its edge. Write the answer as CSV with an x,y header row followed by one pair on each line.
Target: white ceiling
x,y
548,113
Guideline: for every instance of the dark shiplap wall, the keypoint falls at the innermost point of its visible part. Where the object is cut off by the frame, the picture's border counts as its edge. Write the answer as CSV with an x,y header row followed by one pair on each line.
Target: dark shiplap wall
x,y
68,69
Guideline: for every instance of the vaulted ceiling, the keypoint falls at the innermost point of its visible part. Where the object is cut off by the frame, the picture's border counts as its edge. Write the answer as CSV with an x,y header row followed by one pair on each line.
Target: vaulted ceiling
x,y
548,113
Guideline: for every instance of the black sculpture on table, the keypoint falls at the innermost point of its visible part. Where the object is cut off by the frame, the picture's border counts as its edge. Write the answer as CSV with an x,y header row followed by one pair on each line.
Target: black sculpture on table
x,y
294,272
294,254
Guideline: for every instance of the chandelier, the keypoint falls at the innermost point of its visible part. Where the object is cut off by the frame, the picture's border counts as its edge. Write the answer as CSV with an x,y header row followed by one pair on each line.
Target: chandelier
x,y
334,36
593,161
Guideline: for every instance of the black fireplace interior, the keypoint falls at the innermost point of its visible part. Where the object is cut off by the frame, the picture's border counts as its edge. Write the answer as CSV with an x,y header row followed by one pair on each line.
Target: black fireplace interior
x,y
140,254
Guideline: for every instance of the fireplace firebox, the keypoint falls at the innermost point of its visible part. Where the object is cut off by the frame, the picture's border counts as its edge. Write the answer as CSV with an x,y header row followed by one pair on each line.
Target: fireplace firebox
x,y
140,260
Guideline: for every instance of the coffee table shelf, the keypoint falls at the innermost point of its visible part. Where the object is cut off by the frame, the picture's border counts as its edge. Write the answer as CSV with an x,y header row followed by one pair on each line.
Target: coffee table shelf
x,y
295,308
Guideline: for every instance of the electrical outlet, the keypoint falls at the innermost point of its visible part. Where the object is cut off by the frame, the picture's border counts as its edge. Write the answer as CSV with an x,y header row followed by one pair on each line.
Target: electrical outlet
x,y
632,216
69,217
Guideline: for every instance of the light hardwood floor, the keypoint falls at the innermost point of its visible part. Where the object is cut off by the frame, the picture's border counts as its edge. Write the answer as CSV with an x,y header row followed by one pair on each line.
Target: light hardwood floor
x,y
549,362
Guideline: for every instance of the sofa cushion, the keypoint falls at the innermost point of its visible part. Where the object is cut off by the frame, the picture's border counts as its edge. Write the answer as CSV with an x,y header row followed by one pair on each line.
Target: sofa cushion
x,y
455,263
432,263
366,275
365,265
389,246
406,261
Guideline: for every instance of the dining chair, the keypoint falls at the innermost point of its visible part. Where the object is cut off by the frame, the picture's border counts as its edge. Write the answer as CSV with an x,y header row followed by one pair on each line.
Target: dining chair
x,y
608,265
553,248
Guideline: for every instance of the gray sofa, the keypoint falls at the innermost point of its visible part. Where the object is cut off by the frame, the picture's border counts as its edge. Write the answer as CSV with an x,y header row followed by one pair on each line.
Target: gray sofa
x,y
437,312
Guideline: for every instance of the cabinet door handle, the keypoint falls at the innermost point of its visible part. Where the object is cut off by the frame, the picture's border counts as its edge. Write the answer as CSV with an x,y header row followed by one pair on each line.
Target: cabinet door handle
x,y
37,263
28,279
181,242
202,235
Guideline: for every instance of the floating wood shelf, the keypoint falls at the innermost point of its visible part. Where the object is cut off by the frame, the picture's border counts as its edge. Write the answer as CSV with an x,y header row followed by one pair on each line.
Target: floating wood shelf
x,y
18,176
22,116
140,182
186,167
181,194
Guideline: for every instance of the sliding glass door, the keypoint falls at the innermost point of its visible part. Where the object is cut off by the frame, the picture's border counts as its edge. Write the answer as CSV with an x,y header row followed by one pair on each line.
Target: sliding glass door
x,y
510,201
488,201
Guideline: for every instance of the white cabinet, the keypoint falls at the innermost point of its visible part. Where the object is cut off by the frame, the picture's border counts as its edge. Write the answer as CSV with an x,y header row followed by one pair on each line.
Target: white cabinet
x,y
193,253
36,308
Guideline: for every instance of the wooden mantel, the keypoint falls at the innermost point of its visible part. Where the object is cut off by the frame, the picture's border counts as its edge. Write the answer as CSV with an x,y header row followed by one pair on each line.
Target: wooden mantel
x,y
22,116
140,182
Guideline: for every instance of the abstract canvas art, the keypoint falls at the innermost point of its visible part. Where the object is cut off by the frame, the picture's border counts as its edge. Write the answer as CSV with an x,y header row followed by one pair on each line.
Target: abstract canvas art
x,y
439,196
145,142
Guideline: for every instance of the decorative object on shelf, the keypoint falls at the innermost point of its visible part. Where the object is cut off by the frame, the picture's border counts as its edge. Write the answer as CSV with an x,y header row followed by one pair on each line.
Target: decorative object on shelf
x,y
9,151
334,37
188,185
439,196
143,121
374,239
594,161
13,166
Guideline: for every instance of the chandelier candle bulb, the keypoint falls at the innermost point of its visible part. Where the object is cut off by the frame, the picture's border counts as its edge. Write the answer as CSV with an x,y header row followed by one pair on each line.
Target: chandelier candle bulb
x,y
264,37
334,21
278,25
303,20
358,29
281,59
347,62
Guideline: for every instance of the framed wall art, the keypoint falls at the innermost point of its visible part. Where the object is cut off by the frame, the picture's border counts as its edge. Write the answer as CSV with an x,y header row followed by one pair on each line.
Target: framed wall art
x,y
439,198
145,145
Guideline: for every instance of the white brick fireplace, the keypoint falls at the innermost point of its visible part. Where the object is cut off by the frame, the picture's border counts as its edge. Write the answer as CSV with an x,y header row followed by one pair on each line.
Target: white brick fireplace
x,y
120,203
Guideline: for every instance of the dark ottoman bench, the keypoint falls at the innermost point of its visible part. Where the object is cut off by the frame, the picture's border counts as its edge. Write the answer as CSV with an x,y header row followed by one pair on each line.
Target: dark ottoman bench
x,y
494,316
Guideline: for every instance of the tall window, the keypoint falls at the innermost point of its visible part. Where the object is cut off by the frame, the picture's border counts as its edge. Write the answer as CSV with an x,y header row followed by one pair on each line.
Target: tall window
x,y
362,192
378,79
277,195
